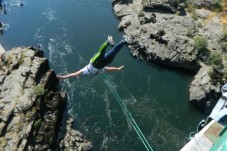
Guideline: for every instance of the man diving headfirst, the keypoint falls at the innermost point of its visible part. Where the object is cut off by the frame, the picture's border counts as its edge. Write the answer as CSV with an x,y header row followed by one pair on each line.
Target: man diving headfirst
x,y
101,59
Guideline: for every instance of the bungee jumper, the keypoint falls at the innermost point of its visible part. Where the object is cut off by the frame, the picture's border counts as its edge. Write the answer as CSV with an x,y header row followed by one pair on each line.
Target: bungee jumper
x,y
99,62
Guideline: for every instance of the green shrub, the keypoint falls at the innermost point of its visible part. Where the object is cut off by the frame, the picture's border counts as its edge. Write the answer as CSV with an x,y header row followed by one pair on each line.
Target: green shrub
x,y
210,72
218,6
200,43
224,46
21,61
199,24
37,123
189,34
225,74
215,60
225,34
38,90
189,6
194,16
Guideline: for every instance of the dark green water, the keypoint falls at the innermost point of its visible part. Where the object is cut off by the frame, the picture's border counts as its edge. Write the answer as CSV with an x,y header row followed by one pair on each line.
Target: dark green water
x,y
70,32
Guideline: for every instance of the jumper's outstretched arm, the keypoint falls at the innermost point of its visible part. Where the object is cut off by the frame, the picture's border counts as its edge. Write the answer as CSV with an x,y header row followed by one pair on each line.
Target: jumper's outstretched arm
x,y
113,68
74,74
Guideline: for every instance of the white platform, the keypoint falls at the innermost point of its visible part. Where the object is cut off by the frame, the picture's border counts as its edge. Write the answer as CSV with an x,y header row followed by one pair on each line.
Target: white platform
x,y
200,142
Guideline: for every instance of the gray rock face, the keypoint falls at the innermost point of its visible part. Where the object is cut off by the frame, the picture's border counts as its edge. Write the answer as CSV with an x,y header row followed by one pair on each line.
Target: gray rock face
x,y
210,4
167,5
202,91
31,107
162,36
158,37
26,122
74,140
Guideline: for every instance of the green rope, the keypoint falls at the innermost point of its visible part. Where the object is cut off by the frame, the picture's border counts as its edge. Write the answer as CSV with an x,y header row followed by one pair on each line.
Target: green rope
x,y
128,115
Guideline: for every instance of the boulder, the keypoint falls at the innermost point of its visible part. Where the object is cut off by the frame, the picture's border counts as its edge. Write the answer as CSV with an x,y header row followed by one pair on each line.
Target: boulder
x,y
203,93
74,140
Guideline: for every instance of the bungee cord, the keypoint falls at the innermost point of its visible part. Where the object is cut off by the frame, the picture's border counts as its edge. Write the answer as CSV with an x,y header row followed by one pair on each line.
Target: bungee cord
x,y
128,115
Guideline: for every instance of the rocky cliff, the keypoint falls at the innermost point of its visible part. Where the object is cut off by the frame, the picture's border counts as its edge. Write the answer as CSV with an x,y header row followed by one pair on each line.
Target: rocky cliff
x,y
31,106
183,34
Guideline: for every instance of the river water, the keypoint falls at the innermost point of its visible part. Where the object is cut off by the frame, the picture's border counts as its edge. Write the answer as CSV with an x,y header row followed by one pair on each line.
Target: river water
x,y
70,32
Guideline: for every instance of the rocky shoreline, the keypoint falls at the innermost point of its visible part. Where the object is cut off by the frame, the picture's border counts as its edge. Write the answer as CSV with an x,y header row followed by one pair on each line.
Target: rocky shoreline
x,y
32,108
182,34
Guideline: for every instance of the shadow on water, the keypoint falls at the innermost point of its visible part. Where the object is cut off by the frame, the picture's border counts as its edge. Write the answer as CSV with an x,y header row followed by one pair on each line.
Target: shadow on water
x,y
179,70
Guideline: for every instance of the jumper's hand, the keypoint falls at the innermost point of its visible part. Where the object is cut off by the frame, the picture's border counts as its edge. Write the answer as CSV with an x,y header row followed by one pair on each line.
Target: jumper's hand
x,y
121,67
